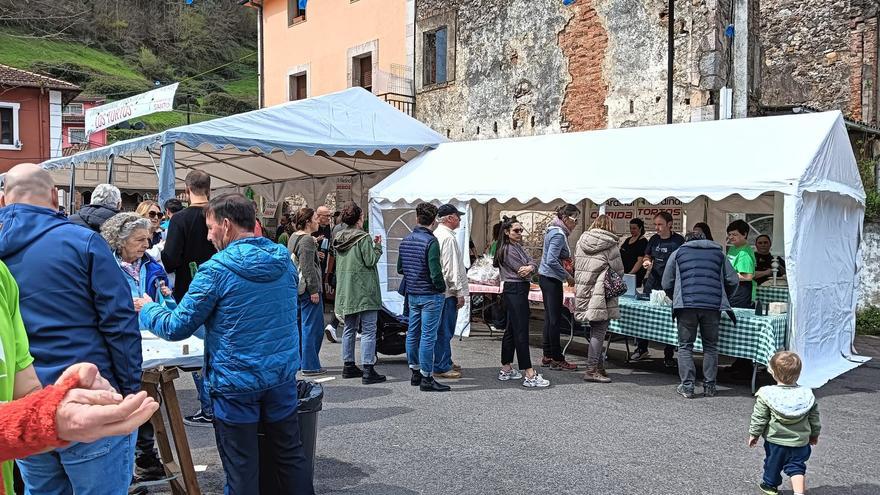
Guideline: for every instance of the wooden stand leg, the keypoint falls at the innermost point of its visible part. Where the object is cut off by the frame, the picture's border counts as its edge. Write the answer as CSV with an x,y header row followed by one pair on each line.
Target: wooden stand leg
x,y
160,383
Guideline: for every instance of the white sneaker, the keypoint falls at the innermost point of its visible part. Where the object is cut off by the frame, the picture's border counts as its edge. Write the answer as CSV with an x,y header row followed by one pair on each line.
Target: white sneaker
x,y
639,355
536,381
513,374
330,333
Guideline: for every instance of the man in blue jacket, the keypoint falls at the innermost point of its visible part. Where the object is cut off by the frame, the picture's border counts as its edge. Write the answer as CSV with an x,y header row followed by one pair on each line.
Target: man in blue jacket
x,y
246,296
76,307
701,279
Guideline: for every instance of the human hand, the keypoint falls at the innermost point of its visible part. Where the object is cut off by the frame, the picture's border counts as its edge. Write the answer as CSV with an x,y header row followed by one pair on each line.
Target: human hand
x,y
753,441
89,377
166,291
321,255
87,415
315,298
647,264
460,303
525,271
378,240
814,440
139,302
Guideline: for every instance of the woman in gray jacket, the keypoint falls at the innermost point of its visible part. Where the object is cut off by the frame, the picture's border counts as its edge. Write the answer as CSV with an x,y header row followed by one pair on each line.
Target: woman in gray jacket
x,y
597,254
311,306
552,274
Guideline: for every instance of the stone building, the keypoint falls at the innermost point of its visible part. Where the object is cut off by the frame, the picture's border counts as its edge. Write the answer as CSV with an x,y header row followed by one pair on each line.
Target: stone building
x,y
520,67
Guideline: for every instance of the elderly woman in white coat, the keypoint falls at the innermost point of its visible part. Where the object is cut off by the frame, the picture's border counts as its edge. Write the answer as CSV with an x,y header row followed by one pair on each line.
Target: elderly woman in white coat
x,y
597,254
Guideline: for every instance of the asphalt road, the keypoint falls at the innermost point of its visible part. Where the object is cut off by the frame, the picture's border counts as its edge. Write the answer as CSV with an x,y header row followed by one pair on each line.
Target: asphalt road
x,y
632,436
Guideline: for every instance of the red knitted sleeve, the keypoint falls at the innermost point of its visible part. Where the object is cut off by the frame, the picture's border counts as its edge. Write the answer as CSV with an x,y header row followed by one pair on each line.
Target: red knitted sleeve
x,y
27,425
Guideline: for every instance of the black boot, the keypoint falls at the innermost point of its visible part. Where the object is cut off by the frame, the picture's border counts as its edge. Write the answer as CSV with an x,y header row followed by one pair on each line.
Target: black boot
x,y
370,375
430,385
350,370
416,378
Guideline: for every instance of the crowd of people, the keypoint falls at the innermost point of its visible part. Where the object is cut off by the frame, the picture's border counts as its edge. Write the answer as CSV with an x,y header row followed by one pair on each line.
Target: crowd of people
x,y
210,270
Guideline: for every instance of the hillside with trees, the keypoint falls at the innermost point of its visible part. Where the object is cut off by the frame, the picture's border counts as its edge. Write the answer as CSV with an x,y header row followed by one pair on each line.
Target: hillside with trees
x,y
117,48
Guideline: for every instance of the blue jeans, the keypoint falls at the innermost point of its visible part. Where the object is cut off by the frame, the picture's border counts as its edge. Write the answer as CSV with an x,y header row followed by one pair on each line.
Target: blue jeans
x,y
791,460
311,332
366,320
443,347
204,396
424,320
101,467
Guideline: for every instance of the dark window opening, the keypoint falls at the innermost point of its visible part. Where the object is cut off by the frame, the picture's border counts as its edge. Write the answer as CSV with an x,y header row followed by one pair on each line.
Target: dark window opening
x,y
435,56
294,13
6,126
362,68
299,85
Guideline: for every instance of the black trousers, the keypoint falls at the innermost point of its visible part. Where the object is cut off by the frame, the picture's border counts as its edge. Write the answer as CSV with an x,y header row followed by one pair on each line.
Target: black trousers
x,y
239,449
551,289
516,336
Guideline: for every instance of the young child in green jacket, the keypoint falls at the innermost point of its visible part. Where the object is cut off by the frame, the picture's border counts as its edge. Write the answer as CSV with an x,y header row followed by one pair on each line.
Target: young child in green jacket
x,y
787,416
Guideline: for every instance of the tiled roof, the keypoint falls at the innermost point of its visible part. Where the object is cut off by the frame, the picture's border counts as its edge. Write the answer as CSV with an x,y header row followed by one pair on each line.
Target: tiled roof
x,y
10,76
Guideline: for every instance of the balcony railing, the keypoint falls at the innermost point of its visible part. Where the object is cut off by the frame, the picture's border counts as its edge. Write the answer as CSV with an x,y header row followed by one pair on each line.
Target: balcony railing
x,y
404,103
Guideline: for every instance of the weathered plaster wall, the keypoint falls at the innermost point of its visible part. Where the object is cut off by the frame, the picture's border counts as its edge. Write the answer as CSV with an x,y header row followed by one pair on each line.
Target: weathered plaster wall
x,y
532,67
869,290
509,73
809,55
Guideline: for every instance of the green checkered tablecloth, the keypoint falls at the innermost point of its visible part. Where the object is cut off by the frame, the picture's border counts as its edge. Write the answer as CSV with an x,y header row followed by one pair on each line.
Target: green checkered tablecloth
x,y
767,294
754,337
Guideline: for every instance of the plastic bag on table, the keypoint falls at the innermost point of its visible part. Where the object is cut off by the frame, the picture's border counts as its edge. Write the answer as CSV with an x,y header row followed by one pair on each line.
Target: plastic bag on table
x,y
482,272
660,298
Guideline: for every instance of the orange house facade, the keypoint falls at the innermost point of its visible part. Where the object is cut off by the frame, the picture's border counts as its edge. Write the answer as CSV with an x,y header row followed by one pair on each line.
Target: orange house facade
x,y
332,45
30,116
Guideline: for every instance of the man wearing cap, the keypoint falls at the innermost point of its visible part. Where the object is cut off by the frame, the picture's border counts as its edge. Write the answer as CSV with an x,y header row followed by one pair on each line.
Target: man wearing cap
x,y
455,276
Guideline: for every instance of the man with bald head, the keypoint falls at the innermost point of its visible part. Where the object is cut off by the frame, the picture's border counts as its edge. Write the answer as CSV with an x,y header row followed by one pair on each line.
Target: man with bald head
x,y
76,307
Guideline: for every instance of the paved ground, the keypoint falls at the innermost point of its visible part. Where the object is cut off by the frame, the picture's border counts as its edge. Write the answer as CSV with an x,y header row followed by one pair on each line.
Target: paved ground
x,y
633,436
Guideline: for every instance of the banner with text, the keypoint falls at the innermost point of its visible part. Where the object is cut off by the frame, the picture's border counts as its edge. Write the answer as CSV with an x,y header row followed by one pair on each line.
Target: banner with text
x,y
622,213
104,116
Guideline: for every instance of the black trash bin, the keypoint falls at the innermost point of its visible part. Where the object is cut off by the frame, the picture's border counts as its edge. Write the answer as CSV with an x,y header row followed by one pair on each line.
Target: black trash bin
x,y
311,399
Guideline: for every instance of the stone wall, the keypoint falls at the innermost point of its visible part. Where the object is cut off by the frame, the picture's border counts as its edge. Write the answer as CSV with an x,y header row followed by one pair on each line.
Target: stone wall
x,y
820,53
869,288
535,67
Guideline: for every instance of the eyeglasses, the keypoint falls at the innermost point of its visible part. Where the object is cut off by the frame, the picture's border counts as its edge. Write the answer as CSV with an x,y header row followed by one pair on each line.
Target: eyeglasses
x,y
154,214
518,231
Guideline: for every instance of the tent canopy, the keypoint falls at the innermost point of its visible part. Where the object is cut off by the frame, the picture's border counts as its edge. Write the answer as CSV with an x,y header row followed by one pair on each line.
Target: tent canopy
x,y
346,133
716,159
806,158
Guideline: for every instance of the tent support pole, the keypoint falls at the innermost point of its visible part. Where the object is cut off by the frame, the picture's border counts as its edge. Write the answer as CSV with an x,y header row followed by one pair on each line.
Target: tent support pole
x,y
225,162
778,224
71,203
110,169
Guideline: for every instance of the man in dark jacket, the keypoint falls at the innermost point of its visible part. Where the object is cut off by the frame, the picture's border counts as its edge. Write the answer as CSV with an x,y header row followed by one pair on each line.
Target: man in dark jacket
x,y
419,263
106,202
252,354
187,244
701,279
76,307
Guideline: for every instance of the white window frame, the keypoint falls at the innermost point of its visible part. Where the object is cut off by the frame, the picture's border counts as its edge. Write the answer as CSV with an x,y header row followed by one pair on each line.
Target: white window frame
x,y
81,112
16,143
70,138
300,70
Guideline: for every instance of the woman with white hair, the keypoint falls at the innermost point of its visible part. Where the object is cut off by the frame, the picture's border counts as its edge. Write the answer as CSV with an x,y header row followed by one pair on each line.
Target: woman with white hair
x,y
129,237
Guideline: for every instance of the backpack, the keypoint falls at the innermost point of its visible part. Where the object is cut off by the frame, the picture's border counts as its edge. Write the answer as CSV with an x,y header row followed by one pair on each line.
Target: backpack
x,y
301,282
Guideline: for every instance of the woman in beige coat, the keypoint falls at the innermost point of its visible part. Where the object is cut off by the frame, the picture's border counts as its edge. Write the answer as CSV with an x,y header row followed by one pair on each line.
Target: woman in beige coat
x,y
597,252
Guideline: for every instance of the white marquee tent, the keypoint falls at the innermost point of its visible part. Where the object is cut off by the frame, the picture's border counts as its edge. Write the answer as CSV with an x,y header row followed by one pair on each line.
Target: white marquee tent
x,y
804,161
349,133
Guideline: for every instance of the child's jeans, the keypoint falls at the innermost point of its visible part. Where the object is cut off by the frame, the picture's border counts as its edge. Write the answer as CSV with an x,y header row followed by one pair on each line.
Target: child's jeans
x,y
790,460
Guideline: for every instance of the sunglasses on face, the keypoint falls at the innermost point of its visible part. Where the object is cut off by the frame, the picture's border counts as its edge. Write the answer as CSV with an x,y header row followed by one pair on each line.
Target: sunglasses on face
x,y
518,231
154,214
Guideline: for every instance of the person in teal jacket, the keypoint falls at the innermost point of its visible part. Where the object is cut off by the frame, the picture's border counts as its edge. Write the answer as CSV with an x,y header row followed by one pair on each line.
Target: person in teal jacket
x,y
246,297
